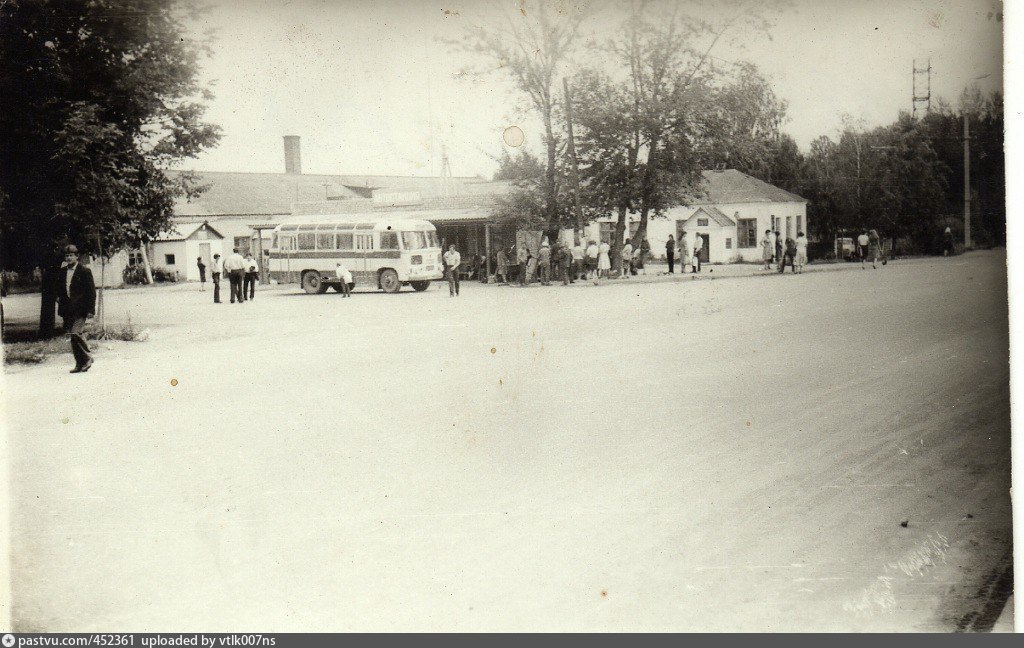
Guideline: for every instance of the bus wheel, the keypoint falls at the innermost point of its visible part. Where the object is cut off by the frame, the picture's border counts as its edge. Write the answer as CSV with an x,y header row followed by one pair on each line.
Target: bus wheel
x,y
389,281
420,286
312,284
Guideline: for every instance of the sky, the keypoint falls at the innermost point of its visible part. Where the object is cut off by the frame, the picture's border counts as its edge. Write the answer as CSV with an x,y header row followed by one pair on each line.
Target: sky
x,y
372,87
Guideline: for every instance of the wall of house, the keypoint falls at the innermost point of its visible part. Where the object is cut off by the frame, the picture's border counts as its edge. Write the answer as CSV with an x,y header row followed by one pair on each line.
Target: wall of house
x,y
659,228
181,257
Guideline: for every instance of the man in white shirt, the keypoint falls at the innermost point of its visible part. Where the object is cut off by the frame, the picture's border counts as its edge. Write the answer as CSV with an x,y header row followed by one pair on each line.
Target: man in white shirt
x,y
216,269
252,273
343,275
697,246
577,259
862,243
453,259
235,267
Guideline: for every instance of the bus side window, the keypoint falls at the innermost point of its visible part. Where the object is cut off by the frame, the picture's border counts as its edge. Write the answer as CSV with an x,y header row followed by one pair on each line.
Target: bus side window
x,y
307,241
325,241
273,243
364,241
345,241
389,240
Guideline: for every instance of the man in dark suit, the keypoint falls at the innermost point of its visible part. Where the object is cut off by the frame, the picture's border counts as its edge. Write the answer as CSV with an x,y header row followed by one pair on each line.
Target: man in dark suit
x,y
76,303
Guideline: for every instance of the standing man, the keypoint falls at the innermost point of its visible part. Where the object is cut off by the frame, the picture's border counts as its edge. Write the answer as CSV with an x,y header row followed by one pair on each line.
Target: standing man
x,y
670,254
501,271
235,267
252,274
202,273
215,272
567,269
544,263
697,245
76,303
779,250
577,260
452,259
948,245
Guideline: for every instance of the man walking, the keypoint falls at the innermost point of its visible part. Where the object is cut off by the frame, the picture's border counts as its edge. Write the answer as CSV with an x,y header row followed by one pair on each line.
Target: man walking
x,y
452,259
76,303
862,242
345,277
235,267
577,261
202,273
215,272
670,254
252,273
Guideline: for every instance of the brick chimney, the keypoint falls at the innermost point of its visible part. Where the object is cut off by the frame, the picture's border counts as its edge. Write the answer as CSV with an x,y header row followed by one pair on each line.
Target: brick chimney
x,y
292,154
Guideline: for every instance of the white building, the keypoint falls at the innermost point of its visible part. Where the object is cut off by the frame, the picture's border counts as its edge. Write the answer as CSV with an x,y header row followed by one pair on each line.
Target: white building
x,y
732,217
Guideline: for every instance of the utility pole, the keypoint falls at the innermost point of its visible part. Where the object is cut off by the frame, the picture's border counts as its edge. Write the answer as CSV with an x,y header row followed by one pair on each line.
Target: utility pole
x,y
574,164
922,97
967,180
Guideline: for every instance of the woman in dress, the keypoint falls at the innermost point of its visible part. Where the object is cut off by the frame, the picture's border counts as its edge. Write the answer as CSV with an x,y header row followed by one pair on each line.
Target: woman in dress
x,y
684,252
766,249
604,262
874,248
501,271
801,252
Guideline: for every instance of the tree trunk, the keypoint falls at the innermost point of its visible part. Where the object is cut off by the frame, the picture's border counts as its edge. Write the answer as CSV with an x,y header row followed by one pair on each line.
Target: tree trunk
x,y
550,190
646,189
48,303
620,228
145,263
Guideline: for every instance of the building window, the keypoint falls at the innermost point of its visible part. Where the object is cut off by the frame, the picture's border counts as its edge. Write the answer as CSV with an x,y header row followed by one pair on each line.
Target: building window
x,y
389,240
345,241
800,223
746,231
325,241
134,258
789,227
728,244
168,259
702,222
608,231
242,243
307,240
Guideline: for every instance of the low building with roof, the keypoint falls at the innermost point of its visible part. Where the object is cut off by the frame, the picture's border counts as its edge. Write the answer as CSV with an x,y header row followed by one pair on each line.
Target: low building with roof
x,y
732,215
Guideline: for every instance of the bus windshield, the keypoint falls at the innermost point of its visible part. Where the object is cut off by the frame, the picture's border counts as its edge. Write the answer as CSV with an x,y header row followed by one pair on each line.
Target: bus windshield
x,y
415,240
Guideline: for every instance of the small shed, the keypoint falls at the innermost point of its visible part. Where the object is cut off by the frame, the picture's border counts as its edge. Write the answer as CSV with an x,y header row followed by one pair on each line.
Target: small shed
x,y
178,250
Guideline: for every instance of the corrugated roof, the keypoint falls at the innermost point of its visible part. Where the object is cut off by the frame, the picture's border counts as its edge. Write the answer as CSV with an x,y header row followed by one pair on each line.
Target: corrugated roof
x,y
732,186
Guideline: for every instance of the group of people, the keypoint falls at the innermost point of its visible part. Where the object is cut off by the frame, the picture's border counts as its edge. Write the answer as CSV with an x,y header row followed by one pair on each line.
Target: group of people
x,y
243,275
778,250
870,246
566,263
690,249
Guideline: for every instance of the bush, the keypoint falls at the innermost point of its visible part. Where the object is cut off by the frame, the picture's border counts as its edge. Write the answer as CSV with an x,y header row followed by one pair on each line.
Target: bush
x,y
134,275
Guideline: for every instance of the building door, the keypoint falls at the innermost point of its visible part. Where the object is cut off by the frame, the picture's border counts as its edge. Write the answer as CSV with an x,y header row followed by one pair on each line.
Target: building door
x,y
705,250
204,254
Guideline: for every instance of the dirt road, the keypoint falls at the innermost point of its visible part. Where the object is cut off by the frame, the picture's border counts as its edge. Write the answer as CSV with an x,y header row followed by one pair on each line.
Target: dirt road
x,y
827,451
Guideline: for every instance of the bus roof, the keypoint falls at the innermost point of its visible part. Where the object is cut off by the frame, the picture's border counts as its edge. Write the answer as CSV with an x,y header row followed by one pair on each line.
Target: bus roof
x,y
376,221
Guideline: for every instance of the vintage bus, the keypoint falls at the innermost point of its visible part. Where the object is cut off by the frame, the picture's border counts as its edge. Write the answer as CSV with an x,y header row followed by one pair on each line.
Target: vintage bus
x,y
381,252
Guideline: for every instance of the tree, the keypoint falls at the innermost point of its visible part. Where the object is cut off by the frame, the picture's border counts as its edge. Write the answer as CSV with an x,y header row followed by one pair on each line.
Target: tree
x,y
533,47
521,166
650,115
100,96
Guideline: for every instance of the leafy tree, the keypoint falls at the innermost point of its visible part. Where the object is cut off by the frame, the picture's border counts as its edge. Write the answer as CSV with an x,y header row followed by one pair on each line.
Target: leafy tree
x,y
521,166
533,47
99,97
